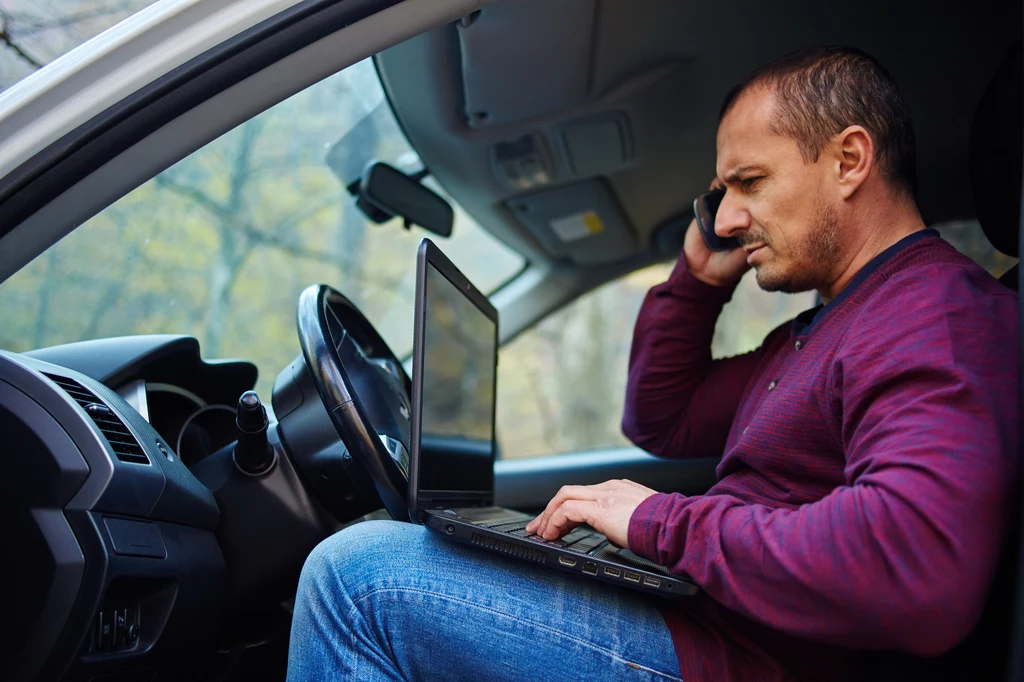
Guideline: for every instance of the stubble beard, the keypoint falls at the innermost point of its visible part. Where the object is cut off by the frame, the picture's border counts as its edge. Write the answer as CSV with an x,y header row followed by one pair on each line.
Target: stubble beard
x,y
811,267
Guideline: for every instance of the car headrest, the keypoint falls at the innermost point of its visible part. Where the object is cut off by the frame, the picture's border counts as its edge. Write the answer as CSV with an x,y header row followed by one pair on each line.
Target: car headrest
x,y
997,154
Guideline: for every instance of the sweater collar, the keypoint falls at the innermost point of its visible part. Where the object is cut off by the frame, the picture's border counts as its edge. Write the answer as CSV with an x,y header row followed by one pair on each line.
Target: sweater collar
x,y
805,321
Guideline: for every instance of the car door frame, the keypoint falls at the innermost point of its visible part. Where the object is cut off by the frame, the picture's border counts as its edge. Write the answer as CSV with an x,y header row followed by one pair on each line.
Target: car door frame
x,y
79,134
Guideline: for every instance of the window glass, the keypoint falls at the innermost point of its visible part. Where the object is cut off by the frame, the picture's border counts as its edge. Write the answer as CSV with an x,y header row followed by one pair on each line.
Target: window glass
x,y
35,32
562,384
220,245
970,240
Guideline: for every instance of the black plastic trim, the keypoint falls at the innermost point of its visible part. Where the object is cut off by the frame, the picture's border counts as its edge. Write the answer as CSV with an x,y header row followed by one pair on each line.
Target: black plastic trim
x,y
167,358
124,444
73,420
41,472
164,490
60,166
79,620
310,441
190,584
268,525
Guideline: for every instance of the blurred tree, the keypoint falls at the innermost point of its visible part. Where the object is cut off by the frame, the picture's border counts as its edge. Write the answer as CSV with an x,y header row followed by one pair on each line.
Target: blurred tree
x,y
238,230
220,245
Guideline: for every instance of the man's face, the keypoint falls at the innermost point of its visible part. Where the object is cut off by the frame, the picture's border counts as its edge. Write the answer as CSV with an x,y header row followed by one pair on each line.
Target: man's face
x,y
782,209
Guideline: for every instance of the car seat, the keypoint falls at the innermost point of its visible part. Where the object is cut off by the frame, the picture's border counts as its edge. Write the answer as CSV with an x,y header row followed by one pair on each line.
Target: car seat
x,y
996,162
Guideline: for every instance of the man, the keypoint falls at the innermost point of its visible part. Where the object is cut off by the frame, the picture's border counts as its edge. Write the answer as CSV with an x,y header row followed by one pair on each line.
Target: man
x,y
870,445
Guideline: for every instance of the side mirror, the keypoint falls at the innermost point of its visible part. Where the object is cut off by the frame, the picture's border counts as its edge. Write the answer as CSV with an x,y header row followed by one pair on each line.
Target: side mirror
x,y
384,192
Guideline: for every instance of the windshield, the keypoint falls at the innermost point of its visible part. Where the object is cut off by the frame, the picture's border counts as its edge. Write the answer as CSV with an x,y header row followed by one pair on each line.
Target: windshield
x,y
220,245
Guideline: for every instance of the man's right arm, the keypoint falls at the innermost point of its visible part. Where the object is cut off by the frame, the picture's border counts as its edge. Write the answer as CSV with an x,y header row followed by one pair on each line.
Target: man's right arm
x,y
680,402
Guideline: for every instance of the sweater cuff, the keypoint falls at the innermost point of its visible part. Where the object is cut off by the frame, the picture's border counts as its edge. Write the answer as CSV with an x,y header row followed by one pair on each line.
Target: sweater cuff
x,y
645,525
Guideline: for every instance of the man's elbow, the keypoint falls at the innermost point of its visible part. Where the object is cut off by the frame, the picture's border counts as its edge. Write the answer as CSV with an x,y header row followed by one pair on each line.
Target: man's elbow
x,y
653,440
933,638
632,432
932,623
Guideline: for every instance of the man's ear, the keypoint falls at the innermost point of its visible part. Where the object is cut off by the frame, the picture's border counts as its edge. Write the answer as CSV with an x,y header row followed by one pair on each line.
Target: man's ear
x,y
855,153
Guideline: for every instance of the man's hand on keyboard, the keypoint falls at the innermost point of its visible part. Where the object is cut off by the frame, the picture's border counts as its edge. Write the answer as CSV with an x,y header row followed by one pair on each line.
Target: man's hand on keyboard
x,y
606,507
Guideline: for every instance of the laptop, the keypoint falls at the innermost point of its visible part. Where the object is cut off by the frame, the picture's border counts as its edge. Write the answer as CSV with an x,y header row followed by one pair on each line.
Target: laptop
x,y
451,465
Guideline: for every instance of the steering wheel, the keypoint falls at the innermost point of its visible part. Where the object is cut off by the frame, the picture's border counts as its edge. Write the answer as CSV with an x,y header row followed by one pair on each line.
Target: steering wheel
x,y
364,388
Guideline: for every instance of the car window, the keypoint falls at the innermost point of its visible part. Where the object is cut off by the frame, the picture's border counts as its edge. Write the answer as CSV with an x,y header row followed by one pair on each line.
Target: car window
x,y
562,383
35,32
220,245
970,240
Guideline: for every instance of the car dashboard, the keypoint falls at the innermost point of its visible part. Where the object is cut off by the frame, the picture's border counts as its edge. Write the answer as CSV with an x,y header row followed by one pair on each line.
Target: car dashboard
x,y
188,401
118,556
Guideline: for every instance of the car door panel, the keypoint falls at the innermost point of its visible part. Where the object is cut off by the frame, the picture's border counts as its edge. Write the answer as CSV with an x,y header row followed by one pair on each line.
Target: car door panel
x,y
528,484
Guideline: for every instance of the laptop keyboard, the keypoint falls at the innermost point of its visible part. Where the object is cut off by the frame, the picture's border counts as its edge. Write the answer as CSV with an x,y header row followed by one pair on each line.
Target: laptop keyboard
x,y
579,540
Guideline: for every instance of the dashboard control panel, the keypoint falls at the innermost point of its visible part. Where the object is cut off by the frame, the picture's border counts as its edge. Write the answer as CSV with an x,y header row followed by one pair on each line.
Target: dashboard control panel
x,y
117,629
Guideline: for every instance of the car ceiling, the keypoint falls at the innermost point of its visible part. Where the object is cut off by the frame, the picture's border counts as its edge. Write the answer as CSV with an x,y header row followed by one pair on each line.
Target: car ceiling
x,y
533,113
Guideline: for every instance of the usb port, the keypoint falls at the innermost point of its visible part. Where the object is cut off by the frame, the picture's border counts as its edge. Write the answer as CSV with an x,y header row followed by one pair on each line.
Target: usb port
x,y
590,568
566,561
614,572
632,577
653,582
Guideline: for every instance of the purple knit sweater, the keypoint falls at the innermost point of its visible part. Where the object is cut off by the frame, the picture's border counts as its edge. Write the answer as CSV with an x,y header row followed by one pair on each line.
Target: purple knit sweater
x,y
870,461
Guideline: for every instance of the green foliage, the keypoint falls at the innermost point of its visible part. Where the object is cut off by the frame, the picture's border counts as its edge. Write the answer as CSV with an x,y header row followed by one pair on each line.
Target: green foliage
x,y
220,245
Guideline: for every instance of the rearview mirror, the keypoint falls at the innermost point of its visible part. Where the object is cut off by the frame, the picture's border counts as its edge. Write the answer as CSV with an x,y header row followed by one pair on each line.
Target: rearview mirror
x,y
384,192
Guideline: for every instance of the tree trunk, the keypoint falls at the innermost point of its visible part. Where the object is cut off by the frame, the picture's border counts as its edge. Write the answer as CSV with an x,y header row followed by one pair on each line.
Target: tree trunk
x,y
50,277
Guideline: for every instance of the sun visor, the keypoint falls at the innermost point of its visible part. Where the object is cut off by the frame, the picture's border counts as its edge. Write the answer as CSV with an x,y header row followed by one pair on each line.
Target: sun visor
x,y
500,73
582,221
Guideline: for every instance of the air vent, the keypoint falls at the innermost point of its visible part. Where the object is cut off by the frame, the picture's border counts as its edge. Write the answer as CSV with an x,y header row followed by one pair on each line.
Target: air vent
x,y
121,440
507,547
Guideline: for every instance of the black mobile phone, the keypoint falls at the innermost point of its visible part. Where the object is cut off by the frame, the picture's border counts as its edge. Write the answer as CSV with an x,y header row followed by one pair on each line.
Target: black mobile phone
x,y
704,209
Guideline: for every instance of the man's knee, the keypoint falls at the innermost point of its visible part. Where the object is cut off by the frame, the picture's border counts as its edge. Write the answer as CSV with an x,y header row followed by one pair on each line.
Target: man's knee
x,y
355,558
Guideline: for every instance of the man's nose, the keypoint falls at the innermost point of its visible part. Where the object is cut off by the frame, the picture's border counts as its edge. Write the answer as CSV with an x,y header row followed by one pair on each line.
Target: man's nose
x,y
732,217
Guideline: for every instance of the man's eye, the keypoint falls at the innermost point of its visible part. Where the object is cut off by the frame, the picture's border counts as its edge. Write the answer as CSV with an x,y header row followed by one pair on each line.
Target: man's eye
x,y
748,183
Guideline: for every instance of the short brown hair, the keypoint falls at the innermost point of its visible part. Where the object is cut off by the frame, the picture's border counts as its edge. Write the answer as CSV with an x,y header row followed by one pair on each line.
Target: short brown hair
x,y
821,91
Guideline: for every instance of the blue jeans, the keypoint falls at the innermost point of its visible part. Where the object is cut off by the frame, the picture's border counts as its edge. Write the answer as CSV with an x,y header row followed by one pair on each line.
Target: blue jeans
x,y
393,601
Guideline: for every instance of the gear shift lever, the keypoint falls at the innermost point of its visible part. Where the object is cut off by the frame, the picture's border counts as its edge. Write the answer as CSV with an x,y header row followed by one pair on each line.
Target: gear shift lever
x,y
253,454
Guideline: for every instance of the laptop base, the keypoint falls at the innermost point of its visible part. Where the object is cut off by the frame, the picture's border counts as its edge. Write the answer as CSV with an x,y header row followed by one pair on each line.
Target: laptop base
x,y
591,555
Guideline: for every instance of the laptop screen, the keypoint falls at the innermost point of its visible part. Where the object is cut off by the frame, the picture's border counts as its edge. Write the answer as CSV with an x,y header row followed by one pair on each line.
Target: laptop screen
x,y
454,376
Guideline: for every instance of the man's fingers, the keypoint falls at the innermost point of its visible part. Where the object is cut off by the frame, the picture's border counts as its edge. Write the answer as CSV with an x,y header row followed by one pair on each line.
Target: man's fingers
x,y
608,509
552,531
570,514
567,492
571,492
